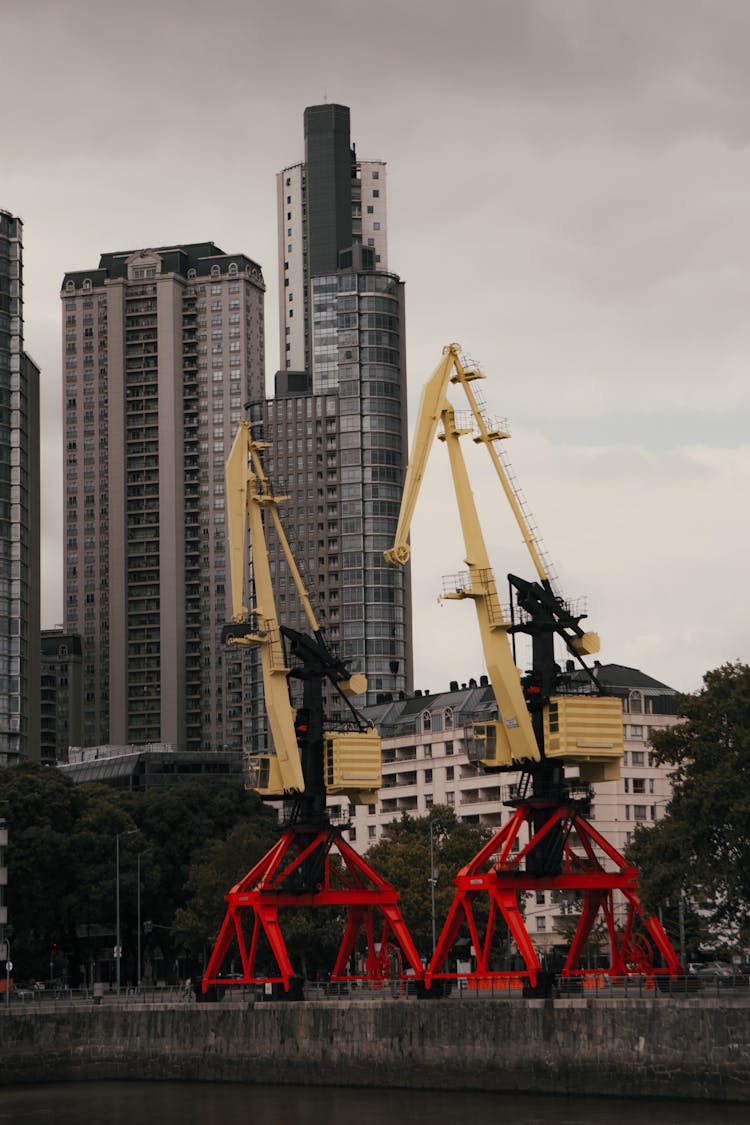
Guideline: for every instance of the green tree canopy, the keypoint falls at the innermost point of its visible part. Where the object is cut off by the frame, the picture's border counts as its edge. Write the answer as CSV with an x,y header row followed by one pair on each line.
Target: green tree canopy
x,y
402,857
701,849
62,864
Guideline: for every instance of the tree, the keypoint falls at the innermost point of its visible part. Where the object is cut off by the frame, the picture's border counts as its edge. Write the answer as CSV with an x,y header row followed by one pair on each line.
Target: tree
x,y
403,858
700,851
41,808
62,864
221,864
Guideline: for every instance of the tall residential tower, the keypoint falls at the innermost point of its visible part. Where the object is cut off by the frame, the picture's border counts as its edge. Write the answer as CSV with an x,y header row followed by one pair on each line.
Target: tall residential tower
x,y
19,512
162,348
337,422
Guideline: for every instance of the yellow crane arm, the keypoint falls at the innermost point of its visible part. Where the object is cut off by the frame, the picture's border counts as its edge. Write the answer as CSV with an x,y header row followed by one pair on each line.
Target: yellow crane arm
x,y
246,499
430,410
516,741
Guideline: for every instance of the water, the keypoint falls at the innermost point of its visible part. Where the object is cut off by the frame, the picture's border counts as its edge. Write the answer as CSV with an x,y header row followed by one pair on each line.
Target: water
x,y
187,1103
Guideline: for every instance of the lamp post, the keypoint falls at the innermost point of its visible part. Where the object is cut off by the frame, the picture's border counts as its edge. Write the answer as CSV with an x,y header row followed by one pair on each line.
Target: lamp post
x,y
138,974
8,969
118,947
433,881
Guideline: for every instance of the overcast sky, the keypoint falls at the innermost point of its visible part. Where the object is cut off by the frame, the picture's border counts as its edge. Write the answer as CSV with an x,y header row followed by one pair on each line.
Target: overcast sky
x,y
568,199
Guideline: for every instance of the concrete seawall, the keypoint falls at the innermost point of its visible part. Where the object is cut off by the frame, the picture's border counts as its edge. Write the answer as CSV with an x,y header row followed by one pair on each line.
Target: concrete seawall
x,y
657,1048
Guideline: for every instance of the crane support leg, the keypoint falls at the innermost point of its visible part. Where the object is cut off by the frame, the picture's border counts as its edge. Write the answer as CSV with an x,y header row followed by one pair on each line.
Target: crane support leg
x,y
585,865
299,872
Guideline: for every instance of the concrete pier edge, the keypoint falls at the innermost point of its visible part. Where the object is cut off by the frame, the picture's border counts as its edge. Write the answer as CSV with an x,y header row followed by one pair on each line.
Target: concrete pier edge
x,y
617,1048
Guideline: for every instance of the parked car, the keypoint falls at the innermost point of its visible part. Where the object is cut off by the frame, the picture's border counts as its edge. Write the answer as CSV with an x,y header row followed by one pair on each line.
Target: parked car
x,y
720,972
22,990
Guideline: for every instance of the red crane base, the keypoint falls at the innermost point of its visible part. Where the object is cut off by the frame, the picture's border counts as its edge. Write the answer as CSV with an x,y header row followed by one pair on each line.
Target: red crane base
x,y
497,872
352,884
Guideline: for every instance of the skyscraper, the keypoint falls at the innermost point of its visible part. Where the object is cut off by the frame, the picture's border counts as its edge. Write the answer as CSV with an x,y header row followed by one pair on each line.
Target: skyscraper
x,y
19,512
337,422
162,349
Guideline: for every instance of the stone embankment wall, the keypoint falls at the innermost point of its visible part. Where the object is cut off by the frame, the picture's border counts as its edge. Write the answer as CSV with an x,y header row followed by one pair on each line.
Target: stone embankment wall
x,y
657,1048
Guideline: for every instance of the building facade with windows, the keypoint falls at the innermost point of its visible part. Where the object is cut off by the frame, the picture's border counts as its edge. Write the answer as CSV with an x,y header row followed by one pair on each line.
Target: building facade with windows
x,y
19,512
425,762
60,695
337,422
161,350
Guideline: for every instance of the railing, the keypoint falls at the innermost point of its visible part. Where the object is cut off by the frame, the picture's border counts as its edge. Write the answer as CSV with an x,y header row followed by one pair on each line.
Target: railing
x,y
592,987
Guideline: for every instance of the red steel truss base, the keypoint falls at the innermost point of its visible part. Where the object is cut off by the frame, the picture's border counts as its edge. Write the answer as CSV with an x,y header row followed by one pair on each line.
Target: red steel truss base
x,y
497,872
303,851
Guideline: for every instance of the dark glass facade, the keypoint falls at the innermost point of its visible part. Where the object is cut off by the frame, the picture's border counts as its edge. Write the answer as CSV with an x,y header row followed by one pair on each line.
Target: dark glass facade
x,y
19,512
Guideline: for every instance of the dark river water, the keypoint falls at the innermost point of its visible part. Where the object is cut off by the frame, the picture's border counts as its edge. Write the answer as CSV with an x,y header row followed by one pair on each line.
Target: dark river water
x,y
173,1103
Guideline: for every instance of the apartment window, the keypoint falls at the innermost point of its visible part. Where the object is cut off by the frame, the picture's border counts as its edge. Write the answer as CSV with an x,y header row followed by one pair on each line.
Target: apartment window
x,y
428,775
376,193
639,785
449,748
371,831
376,175
376,226
626,784
370,209
636,758
427,749
636,732
449,773
450,799
428,800
541,922
639,812
540,898
371,810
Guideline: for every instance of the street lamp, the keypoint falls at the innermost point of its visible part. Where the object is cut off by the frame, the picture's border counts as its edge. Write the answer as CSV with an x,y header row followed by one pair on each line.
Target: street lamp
x,y
8,970
118,947
433,881
140,929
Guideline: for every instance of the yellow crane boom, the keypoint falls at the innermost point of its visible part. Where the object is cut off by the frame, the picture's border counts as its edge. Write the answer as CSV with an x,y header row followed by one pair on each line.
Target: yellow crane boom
x,y
584,731
349,760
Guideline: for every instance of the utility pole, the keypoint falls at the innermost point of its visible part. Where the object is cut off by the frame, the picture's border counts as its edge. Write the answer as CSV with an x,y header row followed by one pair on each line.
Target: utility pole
x,y
681,915
118,946
433,881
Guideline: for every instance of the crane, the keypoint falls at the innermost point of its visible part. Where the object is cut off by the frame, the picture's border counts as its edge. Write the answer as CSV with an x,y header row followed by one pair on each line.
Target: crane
x,y
312,865
555,728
